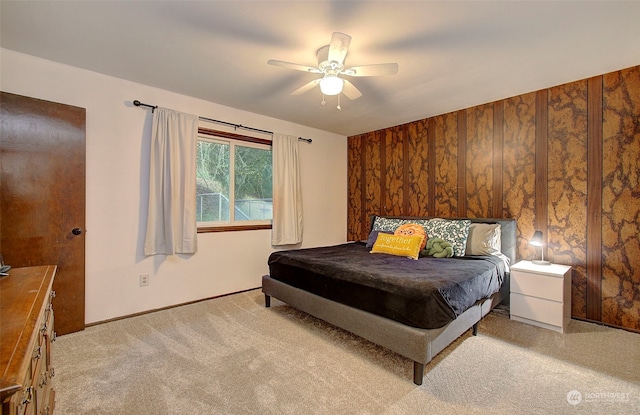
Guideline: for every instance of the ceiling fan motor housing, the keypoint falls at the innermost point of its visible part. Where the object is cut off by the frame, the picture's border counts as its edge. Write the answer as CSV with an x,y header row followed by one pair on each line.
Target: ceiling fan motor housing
x,y
326,66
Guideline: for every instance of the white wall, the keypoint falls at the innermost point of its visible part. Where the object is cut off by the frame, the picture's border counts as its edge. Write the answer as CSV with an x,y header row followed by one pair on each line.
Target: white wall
x,y
117,139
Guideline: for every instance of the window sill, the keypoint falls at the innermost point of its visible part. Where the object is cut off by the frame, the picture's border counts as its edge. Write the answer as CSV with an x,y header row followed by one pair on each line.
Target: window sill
x,y
208,229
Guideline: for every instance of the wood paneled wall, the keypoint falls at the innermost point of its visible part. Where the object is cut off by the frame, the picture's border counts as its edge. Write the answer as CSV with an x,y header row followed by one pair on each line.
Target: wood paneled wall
x,y
564,160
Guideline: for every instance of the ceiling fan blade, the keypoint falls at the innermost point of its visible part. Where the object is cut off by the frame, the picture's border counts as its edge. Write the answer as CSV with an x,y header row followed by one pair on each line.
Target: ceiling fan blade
x,y
372,70
306,87
350,91
295,66
339,47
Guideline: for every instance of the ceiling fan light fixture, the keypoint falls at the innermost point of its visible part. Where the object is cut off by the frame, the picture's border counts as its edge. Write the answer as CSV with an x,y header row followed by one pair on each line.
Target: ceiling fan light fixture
x,y
331,85
331,65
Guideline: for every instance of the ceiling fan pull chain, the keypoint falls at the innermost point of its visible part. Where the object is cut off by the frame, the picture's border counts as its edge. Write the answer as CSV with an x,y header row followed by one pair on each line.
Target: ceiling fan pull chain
x,y
339,108
323,101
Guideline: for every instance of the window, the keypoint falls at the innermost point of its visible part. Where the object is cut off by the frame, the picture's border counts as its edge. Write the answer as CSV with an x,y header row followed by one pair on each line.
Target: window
x,y
233,182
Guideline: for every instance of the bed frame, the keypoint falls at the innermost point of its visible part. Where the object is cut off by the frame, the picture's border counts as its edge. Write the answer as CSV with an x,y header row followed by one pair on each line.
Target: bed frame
x,y
419,345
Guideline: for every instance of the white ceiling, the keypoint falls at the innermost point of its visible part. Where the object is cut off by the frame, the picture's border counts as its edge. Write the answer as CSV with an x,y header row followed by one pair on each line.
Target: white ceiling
x,y
451,54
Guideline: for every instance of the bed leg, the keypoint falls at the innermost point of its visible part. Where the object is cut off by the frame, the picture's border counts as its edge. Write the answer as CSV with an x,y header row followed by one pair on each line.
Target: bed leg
x,y
418,373
475,329
267,301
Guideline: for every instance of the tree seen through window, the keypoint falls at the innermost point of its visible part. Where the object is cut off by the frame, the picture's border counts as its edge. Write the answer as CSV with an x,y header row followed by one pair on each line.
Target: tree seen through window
x,y
244,181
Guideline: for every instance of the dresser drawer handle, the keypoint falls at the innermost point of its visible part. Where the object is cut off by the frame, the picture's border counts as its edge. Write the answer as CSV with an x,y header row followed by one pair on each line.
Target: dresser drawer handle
x,y
27,396
43,379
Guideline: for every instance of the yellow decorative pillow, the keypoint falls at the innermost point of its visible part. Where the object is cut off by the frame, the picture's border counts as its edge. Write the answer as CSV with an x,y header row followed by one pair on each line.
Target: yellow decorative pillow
x,y
412,229
400,245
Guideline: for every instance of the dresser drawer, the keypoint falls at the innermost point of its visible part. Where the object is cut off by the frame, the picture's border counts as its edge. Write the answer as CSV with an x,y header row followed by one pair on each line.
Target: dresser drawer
x,y
537,285
538,309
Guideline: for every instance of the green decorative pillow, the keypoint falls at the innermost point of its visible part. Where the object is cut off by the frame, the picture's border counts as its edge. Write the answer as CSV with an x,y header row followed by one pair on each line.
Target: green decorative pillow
x,y
439,248
455,232
400,245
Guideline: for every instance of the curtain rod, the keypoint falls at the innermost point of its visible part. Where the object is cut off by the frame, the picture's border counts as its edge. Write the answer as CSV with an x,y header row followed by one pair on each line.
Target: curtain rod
x,y
153,107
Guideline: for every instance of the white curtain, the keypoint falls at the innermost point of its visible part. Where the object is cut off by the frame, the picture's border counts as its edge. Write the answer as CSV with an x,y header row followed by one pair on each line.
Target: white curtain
x,y
287,193
171,223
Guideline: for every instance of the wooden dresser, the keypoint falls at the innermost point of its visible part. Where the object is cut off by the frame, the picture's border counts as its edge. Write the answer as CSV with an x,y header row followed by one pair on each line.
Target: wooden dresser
x,y
26,333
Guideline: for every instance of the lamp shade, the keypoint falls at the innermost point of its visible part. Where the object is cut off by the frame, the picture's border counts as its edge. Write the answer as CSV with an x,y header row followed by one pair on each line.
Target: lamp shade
x,y
331,85
536,240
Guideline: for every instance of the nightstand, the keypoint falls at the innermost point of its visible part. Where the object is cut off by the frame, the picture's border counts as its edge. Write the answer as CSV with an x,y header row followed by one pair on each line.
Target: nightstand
x,y
541,295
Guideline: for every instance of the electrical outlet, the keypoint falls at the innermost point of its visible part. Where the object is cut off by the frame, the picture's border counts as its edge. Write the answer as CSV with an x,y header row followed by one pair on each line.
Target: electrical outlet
x,y
144,280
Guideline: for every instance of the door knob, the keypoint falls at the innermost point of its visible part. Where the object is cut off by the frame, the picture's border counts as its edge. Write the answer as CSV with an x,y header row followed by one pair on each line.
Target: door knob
x,y
76,231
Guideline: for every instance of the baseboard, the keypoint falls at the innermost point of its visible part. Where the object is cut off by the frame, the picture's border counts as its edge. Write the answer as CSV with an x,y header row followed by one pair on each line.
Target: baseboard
x,y
606,324
167,307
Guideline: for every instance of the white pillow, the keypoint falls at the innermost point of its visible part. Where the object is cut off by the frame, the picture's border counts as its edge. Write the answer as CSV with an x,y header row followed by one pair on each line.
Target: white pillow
x,y
484,239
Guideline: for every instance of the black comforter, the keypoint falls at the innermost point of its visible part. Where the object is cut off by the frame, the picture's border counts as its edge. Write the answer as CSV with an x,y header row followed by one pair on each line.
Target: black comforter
x,y
427,293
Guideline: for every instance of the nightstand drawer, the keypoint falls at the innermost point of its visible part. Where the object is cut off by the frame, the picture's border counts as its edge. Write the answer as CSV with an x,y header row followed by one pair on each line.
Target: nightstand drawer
x,y
537,285
538,309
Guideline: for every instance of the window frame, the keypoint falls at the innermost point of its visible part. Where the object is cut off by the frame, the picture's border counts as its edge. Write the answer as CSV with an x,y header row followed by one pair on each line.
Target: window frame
x,y
210,134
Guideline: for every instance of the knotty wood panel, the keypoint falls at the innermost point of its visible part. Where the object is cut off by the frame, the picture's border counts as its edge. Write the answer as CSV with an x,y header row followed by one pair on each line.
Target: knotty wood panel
x,y
567,185
446,161
518,170
594,199
372,178
498,144
354,185
479,161
542,112
431,179
418,168
394,170
621,192
462,163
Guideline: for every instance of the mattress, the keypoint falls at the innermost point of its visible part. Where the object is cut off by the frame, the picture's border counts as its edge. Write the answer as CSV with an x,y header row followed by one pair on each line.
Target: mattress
x,y
426,293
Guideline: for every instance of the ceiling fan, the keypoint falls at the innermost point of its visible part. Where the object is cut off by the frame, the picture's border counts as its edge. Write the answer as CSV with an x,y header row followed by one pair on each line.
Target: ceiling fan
x,y
331,66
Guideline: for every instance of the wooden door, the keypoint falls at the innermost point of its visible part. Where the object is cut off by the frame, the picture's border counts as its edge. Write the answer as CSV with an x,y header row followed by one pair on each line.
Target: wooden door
x,y
42,196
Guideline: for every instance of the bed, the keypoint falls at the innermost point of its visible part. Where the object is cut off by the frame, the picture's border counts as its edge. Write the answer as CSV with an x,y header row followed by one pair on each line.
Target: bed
x,y
415,308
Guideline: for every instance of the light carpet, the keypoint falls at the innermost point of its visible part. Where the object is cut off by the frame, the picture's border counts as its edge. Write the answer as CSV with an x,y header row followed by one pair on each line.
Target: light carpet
x,y
231,355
